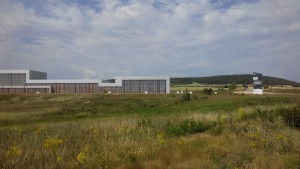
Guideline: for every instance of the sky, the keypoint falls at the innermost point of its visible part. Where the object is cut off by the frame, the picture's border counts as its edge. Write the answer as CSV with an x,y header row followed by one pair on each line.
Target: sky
x,y
101,39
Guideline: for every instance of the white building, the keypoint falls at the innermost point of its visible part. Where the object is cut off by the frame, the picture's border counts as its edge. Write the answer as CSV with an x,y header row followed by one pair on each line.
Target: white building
x,y
29,81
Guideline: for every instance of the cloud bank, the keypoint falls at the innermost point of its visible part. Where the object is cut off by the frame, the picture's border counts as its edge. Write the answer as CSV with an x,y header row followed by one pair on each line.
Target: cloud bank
x,y
106,38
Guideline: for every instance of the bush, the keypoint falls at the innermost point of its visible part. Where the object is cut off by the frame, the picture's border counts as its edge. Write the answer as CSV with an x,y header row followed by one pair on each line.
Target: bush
x,y
232,87
186,97
207,91
291,115
216,130
189,126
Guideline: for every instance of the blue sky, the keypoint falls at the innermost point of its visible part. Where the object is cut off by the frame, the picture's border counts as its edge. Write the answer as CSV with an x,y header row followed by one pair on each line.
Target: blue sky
x,y
93,39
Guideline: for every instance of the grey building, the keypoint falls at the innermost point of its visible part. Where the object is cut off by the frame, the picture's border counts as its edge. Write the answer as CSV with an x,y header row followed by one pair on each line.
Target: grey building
x,y
29,81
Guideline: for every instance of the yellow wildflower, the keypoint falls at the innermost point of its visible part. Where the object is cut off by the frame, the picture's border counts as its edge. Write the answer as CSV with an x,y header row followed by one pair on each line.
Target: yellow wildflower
x,y
52,142
180,142
252,144
18,130
281,137
241,112
14,151
162,141
264,140
96,131
81,157
255,135
59,158
161,138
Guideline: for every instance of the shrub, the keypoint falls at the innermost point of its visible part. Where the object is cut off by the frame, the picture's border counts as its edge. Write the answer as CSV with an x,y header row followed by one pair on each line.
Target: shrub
x,y
216,130
195,97
291,115
265,115
232,87
241,112
189,126
186,97
207,91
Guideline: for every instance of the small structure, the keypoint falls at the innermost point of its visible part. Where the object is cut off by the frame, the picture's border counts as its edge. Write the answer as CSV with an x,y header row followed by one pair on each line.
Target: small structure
x,y
257,83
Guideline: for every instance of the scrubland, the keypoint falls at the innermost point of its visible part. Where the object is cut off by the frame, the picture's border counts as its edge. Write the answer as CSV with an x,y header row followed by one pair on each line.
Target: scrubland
x,y
149,131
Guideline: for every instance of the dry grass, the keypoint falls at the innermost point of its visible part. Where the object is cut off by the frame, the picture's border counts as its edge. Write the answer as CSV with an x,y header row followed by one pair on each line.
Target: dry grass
x,y
141,141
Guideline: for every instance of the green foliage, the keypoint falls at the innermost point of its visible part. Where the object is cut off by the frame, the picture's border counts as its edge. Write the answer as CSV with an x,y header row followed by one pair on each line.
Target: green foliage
x,y
221,88
186,97
7,97
230,79
149,131
207,91
291,162
189,126
232,87
291,115
217,129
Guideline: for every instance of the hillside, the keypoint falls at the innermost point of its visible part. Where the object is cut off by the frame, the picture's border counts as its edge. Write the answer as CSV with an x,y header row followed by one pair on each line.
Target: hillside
x,y
229,79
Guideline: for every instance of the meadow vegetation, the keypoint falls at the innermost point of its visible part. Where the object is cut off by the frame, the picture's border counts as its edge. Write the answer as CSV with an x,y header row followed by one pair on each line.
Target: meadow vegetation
x,y
150,131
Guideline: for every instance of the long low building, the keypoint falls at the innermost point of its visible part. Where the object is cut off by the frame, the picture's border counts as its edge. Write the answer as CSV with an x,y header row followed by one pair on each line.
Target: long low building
x,y
30,81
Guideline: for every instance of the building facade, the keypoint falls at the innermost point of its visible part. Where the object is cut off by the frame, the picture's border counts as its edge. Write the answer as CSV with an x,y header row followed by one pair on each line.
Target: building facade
x,y
29,81
257,83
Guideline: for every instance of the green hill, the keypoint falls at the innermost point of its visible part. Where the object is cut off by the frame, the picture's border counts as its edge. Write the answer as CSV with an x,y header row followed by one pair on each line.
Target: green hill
x,y
229,79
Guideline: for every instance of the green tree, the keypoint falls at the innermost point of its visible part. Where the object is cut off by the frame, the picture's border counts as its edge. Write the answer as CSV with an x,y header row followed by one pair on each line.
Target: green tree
x,y
232,87
207,91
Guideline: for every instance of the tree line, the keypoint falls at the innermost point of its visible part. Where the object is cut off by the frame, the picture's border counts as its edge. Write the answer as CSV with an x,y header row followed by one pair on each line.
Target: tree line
x,y
231,79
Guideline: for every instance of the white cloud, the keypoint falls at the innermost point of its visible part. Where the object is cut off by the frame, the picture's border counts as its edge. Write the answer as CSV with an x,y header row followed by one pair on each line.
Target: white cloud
x,y
188,38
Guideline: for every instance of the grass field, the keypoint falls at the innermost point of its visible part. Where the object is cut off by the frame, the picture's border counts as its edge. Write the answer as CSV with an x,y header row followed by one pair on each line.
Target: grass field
x,y
149,131
200,87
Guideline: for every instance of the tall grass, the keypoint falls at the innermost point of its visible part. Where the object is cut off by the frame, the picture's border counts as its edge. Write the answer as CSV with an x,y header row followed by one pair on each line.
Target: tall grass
x,y
189,134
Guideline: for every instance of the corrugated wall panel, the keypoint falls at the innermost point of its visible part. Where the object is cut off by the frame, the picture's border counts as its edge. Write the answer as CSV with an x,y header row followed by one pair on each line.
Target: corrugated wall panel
x,y
74,87
23,90
12,79
141,86
163,86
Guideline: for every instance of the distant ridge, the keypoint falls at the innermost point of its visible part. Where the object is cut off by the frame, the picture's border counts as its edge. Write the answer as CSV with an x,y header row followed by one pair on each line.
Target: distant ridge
x,y
230,79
